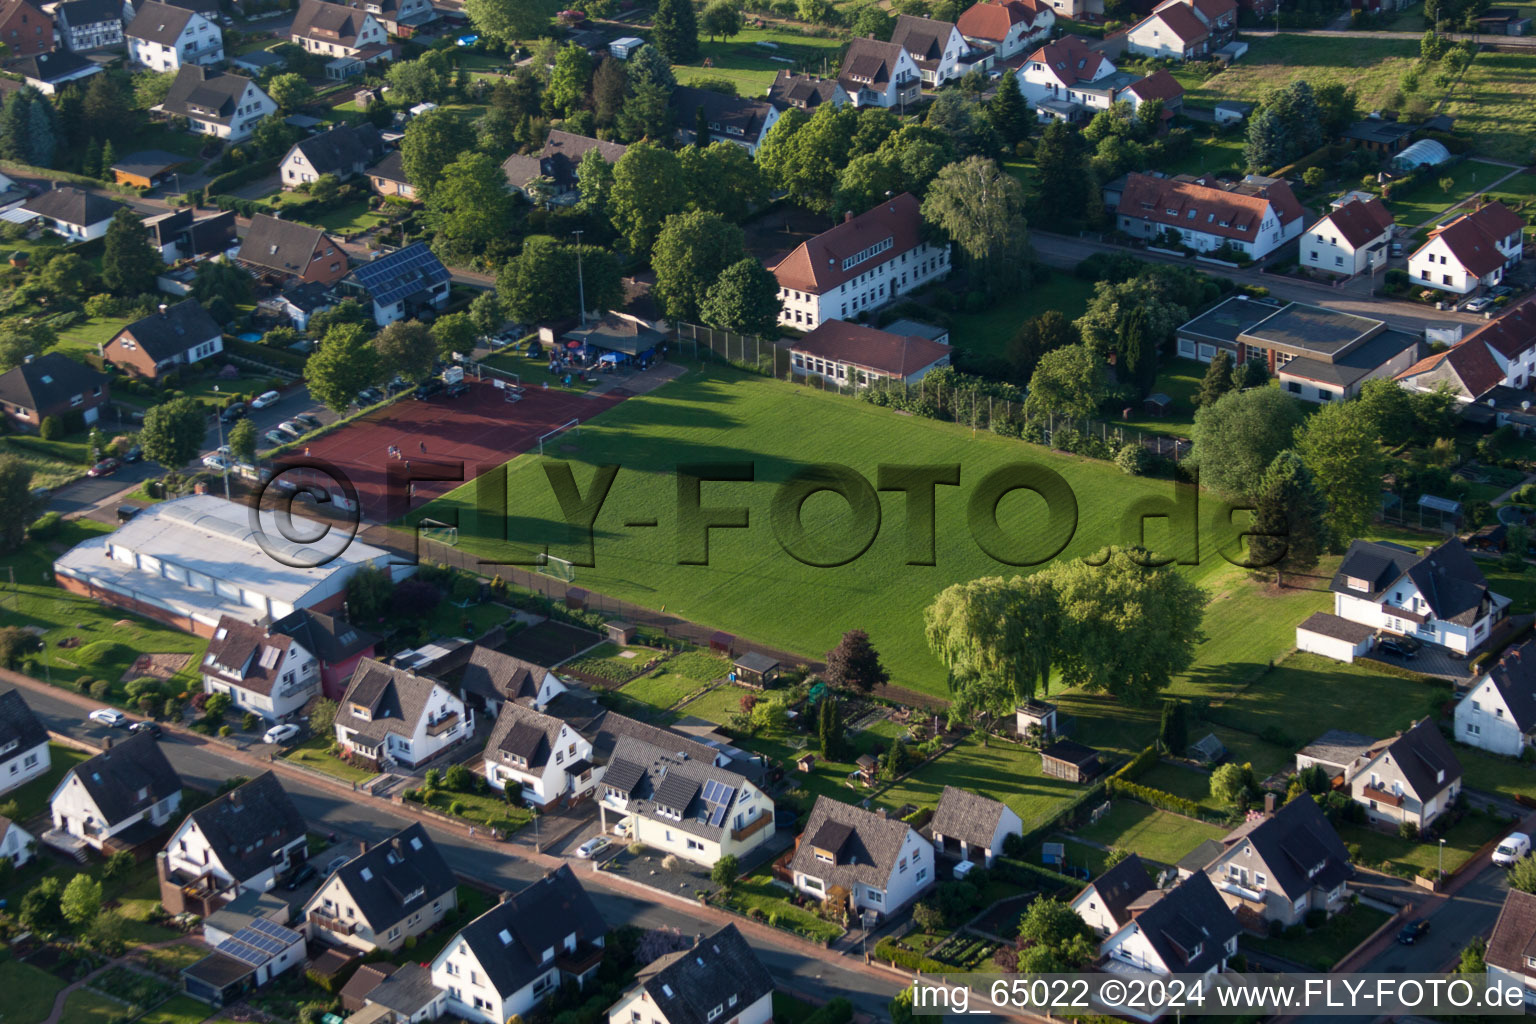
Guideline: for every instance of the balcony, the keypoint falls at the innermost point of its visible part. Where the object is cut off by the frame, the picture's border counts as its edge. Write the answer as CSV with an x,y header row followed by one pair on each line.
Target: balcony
x,y
752,827
1381,796
1241,891
445,724
321,919
579,961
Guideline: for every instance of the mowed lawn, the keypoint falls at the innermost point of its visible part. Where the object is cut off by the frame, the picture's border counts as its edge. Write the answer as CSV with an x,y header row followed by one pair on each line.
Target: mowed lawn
x,y
988,333
748,59
1211,154
32,992
753,587
1374,68
1155,835
1427,200
1179,379
1496,102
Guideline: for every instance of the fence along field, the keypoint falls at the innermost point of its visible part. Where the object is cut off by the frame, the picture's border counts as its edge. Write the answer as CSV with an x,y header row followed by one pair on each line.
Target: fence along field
x,y
751,586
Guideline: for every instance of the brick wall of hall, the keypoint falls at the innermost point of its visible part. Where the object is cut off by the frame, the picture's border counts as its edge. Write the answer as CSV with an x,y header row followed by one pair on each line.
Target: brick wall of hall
x,y
128,604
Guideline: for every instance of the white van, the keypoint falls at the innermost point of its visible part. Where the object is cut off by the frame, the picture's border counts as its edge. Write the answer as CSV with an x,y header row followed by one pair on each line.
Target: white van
x,y
1514,846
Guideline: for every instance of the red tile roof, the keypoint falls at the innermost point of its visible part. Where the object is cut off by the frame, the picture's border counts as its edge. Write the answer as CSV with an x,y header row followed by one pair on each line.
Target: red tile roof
x,y
816,265
1472,361
1071,58
1229,214
992,21
1160,85
1214,10
1358,222
1473,238
1180,19
881,351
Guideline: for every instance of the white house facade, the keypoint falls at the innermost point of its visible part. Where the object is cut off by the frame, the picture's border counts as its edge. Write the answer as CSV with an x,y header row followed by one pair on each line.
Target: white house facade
x,y
1439,598
878,74
118,798
1352,238
899,864
1498,713
1471,252
389,715
23,743
163,38
1007,27
272,676
541,757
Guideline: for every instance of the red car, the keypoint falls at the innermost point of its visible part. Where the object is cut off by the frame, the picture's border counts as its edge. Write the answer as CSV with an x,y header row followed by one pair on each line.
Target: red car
x,y
106,467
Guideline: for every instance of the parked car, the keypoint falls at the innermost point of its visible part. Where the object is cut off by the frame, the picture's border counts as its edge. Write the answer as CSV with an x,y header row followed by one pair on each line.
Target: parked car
x,y
1479,304
594,846
215,462
275,437
1413,931
308,419
265,399
624,828
300,875
428,388
1397,248
396,386
292,429
336,864
126,512
106,467
153,728
1514,846
234,413
110,717
1398,646
369,396
455,390
280,733
134,454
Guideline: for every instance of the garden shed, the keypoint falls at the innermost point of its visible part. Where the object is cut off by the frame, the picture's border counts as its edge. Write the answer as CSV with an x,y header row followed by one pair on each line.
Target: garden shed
x,y
721,643
621,633
756,670
1035,714
1070,760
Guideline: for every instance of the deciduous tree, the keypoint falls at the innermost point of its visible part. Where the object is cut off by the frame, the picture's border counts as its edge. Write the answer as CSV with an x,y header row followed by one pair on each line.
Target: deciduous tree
x,y
1238,436
721,18
16,504
289,91
568,81
470,206
855,664
1068,383
174,432
721,178
690,253
81,901
647,189
1036,336
432,141
406,348
744,299
242,441
344,363
981,209
1341,445
511,21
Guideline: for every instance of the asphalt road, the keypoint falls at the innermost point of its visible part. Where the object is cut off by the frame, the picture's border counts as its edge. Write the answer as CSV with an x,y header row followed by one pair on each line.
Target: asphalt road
x,y
368,820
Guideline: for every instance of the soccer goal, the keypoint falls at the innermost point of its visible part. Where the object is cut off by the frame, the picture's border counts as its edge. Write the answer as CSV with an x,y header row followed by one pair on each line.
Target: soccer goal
x,y
559,568
443,533
574,427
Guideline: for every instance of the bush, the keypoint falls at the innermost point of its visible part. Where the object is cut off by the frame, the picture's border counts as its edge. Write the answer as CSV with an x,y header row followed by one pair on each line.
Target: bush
x,y
1134,459
101,689
1408,830
670,862
51,429
226,730
95,653
249,722
1316,918
45,526
906,959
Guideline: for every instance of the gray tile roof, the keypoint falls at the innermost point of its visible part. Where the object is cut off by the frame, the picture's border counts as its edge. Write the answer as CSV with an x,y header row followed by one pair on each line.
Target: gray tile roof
x,y
525,734
206,95
1302,851
613,727
722,110
397,877
344,150
160,23
1337,746
130,777
407,991
867,845
395,698
48,381
1447,577
510,939
282,245
967,816
497,676
674,789
327,22
1422,754
259,812
558,159
720,975
1514,676
1189,926
72,205
18,723
807,92
170,332
330,638
1121,886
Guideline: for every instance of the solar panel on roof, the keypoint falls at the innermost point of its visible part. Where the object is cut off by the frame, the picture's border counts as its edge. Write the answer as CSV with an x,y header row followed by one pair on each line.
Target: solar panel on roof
x,y
401,274
246,954
285,935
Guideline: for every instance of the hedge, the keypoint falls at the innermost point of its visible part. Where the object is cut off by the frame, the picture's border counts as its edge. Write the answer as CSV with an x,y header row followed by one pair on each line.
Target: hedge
x,y
1156,797
1139,765
242,176
264,354
1022,872
46,526
906,959
836,1011
920,817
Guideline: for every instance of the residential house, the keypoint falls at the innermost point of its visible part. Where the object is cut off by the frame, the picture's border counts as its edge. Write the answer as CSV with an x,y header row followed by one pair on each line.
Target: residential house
x,y
190,561
1511,953
543,758
491,679
506,961
1187,929
74,213
175,336
284,251
391,716
392,891
51,384
876,74
343,151
861,264
1160,85
1439,597
1471,252
50,72
1252,217
268,674
85,25
882,863
804,92
16,843
252,944
1281,866
1338,752
182,234
937,48
400,285
388,177
401,17
23,742
119,799
25,29
719,979
559,162
1379,135
683,805
736,119
1413,777
164,38
408,994
1498,713
214,103
336,30
1351,238
1068,80
1079,10
1491,367
850,354
336,644
1218,16
1171,32
1007,26
298,302
1105,903
971,826
241,841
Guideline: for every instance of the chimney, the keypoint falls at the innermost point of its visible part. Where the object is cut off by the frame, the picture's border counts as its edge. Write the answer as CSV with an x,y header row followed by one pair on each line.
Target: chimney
x,y
1269,805
847,216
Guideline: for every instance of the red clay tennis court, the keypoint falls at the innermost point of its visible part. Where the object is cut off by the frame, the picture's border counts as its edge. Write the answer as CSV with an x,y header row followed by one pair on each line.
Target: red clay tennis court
x,y
478,429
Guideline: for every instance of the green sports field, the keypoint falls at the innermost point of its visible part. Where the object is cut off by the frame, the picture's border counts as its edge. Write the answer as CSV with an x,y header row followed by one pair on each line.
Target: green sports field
x,y
753,588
